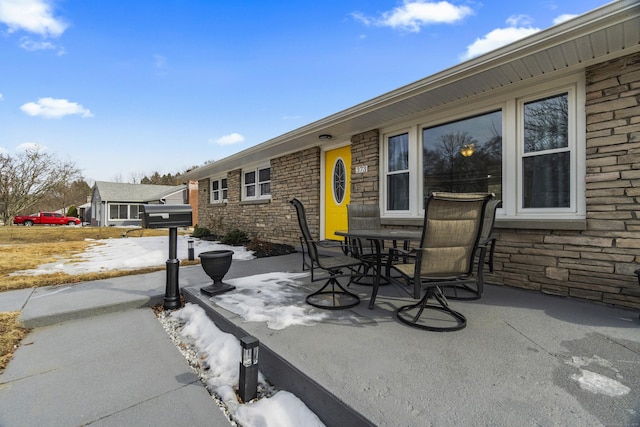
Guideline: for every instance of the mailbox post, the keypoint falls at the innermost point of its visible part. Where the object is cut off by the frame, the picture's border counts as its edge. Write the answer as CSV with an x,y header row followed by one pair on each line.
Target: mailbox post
x,y
171,217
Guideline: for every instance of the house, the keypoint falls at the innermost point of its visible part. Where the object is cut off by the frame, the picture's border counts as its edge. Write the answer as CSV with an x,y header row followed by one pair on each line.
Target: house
x,y
118,204
550,124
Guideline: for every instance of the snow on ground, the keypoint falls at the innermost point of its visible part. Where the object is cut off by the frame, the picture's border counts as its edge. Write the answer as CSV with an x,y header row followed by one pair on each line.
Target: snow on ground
x,y
274,298
131,253
219,353
277,302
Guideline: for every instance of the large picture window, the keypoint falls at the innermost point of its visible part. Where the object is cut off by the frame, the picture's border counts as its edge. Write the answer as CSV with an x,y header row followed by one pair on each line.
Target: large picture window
x,y
464,156
257,183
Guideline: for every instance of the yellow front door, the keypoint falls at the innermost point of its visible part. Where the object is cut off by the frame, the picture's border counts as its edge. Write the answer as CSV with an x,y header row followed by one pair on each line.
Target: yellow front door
x,y
337,194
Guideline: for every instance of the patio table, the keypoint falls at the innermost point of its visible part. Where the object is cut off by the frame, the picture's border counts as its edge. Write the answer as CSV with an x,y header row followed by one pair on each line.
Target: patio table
x,y
377,237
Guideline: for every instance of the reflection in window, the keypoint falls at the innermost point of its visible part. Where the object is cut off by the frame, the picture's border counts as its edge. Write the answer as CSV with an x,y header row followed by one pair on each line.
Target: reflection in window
x,y
398,172
546,162
464,156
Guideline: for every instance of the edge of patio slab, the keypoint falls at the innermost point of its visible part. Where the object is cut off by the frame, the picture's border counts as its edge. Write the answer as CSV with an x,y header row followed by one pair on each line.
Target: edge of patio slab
x,y
282,374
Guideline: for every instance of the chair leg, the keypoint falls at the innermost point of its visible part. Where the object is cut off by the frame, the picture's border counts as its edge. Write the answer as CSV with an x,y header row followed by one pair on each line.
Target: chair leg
x,y
337,298
412,314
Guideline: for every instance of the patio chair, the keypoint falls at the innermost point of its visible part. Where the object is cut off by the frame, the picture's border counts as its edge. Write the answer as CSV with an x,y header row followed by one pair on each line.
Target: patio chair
x,y
450,237
332,295
486,246
366,217
362,217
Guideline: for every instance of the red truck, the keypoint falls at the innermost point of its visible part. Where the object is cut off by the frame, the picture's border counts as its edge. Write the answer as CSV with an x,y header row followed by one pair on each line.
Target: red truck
x,y
45,218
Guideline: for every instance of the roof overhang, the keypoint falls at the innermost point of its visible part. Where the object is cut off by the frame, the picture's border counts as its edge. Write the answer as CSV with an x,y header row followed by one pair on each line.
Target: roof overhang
x,y
605,33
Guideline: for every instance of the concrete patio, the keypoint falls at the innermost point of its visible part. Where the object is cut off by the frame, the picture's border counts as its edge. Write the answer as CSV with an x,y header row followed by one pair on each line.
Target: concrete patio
x,y
524,358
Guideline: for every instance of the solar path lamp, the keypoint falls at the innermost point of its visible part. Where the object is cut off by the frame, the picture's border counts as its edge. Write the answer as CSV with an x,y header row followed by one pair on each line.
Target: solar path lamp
x,y
248,384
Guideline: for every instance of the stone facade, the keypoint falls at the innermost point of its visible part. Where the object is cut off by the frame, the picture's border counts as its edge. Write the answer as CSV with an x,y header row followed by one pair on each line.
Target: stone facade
x,y
365,150
596,264
292,175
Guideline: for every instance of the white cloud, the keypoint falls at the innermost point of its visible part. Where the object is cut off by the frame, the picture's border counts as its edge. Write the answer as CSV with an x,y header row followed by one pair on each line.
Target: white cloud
x,y
519,20
500,37
51,108
562,18
31,45
1,97
413,15
232,138
33,16
30,146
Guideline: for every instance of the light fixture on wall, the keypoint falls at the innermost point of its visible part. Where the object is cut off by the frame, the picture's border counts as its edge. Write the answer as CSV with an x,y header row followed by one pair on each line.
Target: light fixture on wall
x,y
325,137
467,150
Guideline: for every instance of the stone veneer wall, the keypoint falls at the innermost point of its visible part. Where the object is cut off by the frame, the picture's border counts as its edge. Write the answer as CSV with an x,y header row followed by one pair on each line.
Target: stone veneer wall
x,y
365,150
598,263
293,175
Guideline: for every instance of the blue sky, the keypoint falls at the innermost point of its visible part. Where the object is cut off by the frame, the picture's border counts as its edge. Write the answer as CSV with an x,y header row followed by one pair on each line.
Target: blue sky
x,y
126,88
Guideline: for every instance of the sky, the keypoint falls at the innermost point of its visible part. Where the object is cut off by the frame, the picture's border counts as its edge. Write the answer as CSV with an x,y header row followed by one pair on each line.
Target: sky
x,y
125,89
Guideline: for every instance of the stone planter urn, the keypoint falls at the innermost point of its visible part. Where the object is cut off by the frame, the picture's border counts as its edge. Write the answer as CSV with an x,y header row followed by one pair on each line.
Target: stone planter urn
x,y
216,264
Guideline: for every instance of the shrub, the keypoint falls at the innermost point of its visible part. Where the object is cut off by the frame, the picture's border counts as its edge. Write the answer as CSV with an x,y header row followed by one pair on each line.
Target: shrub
x,y
235,238
200,231
73,211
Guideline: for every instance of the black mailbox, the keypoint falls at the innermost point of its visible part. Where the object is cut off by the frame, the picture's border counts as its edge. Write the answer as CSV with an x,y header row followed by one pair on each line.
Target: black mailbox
x,y
166,216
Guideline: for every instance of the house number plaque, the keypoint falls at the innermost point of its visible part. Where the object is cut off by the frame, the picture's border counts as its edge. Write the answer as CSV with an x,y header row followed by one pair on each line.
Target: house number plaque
x,y
362,169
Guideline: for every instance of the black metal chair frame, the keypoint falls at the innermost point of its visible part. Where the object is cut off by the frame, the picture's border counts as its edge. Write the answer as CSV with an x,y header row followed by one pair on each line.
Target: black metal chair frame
x,y
411,314
332,295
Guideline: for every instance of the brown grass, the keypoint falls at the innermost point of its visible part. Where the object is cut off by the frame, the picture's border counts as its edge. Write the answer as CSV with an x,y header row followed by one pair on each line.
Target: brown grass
x,y
23,248
10,335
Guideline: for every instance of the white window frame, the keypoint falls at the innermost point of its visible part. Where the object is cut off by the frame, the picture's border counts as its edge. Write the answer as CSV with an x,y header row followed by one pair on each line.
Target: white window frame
x,y
221,190
571,148
129,216
384,172
510,101
257,184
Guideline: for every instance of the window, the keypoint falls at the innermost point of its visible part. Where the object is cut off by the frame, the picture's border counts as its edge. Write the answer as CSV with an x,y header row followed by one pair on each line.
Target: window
x,y
464,156
218,190
546,160
339,181
124,211
398,172
527,148
257,183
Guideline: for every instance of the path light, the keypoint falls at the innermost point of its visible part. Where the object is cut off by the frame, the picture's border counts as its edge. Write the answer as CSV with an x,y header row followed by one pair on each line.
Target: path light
x,y
248,384
190,245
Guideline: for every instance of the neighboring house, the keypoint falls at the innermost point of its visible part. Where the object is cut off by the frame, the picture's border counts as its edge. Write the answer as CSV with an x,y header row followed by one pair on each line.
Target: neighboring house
x,y
117,204
84,212
550,124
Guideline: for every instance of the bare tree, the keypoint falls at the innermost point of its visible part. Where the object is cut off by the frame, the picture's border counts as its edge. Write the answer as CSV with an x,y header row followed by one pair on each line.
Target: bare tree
x,y
29,177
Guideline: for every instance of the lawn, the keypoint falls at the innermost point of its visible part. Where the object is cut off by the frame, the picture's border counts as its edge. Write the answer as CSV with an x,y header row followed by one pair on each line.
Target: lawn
x,y
24,248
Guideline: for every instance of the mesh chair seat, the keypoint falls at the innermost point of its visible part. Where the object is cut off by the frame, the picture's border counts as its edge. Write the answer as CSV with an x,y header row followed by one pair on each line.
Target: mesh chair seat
x,y
445,258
